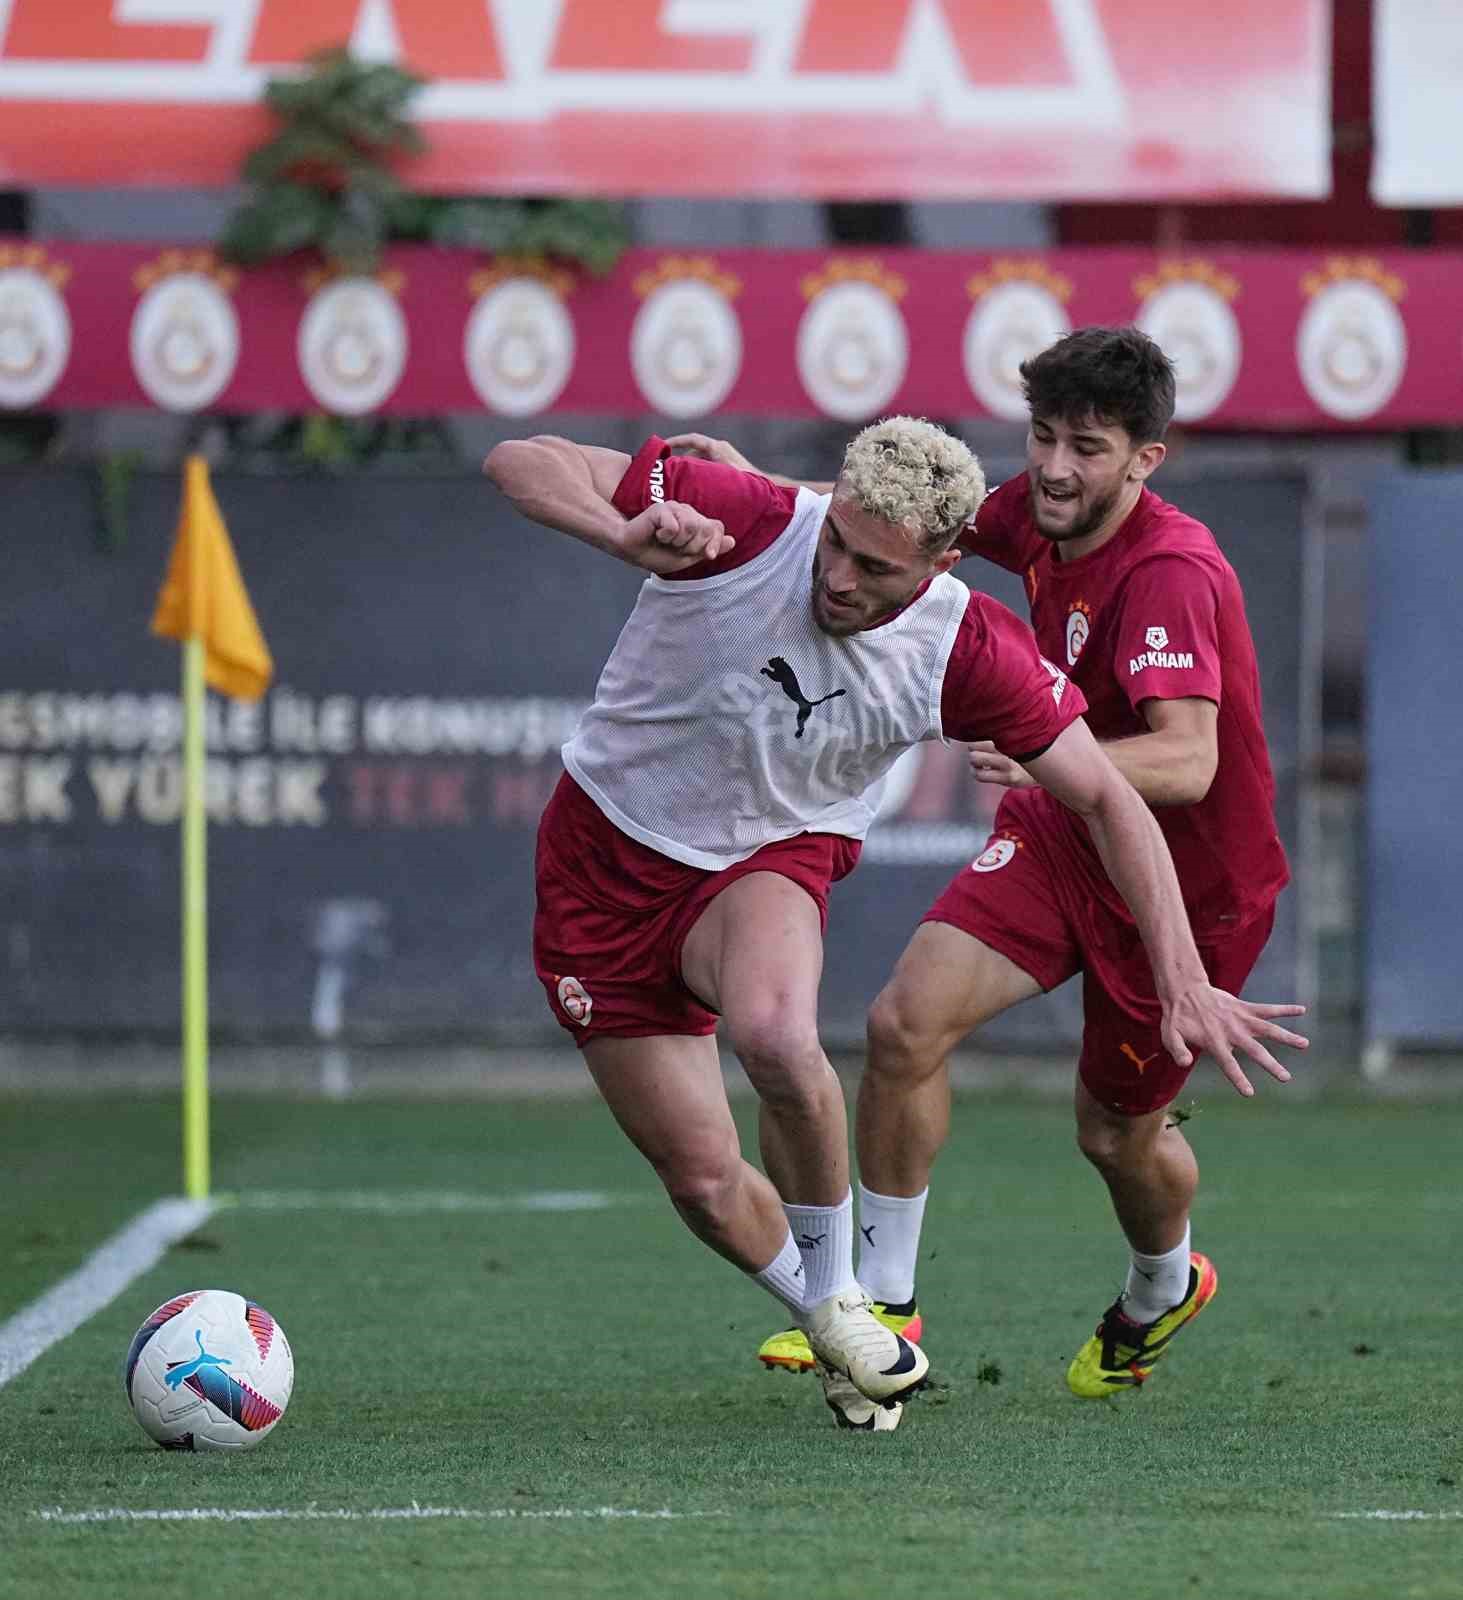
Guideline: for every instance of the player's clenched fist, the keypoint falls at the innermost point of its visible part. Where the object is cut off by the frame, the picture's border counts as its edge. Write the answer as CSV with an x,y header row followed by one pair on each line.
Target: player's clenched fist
x,y
668,537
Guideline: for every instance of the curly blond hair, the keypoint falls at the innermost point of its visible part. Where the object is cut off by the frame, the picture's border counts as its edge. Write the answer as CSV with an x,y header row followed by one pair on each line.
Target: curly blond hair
x,y
914,475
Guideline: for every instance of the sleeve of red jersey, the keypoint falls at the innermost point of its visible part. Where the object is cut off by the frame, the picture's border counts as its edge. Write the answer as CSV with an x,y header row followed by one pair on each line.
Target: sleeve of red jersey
x,y
751,508
1001,530
999,686
1166,642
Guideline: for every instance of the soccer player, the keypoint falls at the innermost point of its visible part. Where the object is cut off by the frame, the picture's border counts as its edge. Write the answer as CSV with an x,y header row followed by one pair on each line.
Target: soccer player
x,y
785,649
1136,601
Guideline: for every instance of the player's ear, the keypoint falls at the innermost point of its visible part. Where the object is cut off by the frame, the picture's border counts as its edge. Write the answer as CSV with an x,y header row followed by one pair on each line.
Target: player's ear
x,y
946,559
1147,461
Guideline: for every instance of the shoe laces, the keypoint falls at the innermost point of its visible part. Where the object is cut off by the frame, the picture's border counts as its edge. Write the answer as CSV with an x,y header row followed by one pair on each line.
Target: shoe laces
x,y
859,1331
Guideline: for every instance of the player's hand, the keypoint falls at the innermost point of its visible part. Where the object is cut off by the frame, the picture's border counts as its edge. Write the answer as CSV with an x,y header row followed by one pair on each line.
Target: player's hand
x,y
1204,1018
709,449
990,766
669,537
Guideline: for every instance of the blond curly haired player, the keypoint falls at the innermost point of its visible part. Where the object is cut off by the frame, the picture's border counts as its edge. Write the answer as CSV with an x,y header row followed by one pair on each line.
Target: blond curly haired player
x,y
786,648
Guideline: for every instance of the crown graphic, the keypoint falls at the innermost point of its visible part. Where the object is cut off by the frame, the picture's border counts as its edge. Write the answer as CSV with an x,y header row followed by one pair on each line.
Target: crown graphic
x,y
555,279
391,279
172,262
675,269
34,259
1028,269
849,270
1193,269
1353,269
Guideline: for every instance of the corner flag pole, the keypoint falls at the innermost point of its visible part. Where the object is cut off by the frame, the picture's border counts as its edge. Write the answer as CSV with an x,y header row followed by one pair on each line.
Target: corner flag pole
x,y
204,605
195,931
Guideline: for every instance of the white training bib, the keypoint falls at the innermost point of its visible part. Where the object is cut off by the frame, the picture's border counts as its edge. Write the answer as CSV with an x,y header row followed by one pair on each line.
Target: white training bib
x,y
725,718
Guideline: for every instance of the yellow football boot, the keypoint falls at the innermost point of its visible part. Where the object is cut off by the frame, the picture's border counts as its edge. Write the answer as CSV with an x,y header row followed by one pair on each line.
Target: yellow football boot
x,y
1122,1353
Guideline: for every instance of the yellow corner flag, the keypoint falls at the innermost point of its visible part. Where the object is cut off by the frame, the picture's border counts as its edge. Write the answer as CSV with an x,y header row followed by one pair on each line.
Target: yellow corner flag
x,y
203,603
203,596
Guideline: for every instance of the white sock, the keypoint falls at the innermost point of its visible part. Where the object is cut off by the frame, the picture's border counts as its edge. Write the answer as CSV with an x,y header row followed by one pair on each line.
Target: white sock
x,y
889,1227
783,1276
1157,1283
824,1236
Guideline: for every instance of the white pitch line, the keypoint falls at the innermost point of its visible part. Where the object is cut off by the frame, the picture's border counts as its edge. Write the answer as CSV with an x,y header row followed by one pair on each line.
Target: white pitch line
x,y
1395,1516
96,1282
409,1202
410,1513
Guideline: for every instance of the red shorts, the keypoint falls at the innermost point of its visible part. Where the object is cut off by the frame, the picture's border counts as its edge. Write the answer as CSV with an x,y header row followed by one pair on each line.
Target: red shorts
x,y
1031,896
613,914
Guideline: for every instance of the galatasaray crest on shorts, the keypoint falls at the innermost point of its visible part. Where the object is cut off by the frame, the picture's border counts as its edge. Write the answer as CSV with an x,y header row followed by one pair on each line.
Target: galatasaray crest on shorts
x,y
352,344
995,855
686,342
575,1000
1185,308
852,345
1351,345
1079,625
35,327
185,333
1020,309
519,344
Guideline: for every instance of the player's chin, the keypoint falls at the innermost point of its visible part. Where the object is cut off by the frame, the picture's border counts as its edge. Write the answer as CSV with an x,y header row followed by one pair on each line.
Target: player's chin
x,y
1055,521
838,621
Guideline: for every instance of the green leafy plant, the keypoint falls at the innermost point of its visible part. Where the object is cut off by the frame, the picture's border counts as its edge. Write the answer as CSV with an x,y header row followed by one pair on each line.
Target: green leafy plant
x,y
112,488
330,180
316,442
28,436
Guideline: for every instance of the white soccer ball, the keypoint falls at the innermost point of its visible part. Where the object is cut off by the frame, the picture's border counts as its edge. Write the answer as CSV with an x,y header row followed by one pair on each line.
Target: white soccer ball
x,y
209,1370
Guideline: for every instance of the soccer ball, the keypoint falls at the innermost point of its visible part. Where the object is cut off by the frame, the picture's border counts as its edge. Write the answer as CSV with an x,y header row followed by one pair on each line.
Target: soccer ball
x,y
209,1370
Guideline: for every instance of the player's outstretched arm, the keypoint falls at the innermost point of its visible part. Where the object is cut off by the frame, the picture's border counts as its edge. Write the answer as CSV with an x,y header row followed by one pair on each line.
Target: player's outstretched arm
x,y
570,487
1171,766
1197,1017
705,448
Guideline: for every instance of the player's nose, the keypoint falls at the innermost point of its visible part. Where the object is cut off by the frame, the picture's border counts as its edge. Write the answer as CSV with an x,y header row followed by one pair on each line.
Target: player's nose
x,y
839,574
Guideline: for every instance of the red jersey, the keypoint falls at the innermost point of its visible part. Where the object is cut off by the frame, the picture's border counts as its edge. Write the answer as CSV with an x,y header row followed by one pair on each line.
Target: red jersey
x,y
997,685
1157,613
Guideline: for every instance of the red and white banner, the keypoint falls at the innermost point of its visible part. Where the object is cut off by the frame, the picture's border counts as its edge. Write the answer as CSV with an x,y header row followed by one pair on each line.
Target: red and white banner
x,y
1417,103
1261,339
953,99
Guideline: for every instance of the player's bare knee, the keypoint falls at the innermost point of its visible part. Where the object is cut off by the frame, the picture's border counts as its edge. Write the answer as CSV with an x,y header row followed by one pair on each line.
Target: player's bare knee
x,y
703,1189
902,1045
1114,1144
792,1077
778,1053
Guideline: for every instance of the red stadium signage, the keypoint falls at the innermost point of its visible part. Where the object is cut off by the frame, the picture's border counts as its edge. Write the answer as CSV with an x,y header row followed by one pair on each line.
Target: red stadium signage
x,y
954,99
1260,338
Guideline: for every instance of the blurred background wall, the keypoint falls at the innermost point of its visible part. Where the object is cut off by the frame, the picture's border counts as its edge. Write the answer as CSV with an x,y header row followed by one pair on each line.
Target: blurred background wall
x,y
371,836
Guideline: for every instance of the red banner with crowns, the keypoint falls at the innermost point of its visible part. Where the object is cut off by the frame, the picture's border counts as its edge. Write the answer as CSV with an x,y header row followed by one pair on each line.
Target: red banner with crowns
x,y
1297,340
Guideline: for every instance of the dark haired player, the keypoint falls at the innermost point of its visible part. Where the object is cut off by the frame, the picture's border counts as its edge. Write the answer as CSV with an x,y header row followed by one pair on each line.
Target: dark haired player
x,y
1135,600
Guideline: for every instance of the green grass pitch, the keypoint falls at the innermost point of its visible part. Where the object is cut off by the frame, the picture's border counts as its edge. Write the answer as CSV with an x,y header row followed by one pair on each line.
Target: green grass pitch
x,y
532,1368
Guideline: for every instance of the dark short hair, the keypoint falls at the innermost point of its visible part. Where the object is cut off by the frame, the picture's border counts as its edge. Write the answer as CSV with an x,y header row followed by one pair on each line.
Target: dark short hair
x,y
1117,375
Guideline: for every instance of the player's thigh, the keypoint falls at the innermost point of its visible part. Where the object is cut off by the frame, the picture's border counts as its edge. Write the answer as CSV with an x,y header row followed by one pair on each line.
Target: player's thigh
x,y
999,933
945,984
669,1098
755,954
1124,1064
